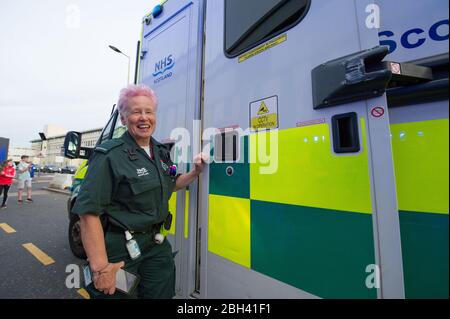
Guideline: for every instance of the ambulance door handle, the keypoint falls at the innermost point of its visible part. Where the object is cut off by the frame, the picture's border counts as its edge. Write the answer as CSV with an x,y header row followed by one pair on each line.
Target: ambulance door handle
x,y
345,133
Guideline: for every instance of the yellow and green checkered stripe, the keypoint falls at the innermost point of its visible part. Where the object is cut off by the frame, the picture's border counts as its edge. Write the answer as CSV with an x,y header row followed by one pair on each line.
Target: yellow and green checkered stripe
x,y
309,224
173,211
421,168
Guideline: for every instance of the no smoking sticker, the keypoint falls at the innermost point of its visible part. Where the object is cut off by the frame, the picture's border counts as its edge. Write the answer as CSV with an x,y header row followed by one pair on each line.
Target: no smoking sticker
x,y
377,112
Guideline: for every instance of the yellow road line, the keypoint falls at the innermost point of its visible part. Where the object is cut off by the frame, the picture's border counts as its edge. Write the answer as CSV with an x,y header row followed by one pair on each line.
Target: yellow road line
x,y
84,293
39,254
8,229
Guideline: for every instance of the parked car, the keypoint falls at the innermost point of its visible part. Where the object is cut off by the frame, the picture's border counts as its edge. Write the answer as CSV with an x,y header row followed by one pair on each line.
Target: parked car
x,y
51,169
39,168
69,170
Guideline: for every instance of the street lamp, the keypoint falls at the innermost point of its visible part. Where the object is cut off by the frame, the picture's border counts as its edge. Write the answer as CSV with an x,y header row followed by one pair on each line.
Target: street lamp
x,y
41,153
118,51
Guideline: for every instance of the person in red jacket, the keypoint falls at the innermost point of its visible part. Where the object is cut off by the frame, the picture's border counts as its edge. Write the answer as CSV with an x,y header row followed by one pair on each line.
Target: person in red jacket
x,y
7,173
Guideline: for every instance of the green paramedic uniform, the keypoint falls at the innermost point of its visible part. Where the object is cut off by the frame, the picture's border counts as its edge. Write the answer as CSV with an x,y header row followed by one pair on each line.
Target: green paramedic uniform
x,y
133,191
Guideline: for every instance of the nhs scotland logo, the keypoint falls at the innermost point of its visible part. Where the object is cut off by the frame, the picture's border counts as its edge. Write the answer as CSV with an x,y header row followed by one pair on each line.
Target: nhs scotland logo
x,y
162,69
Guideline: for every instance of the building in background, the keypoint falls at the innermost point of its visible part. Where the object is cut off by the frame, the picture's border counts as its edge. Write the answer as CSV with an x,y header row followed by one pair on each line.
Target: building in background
x,y
15,153
48,151
53,130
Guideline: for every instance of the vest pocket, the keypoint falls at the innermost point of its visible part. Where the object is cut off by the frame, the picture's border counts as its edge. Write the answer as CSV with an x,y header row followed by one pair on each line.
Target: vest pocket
x,y
140,187
146,196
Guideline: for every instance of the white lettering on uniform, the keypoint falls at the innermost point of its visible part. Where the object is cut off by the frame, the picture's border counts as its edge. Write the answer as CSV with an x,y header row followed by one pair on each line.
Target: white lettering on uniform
x,y
141,172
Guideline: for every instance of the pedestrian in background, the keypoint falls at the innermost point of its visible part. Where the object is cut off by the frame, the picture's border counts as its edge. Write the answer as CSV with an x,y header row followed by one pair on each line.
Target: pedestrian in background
x,y
7,173
32,170
24,178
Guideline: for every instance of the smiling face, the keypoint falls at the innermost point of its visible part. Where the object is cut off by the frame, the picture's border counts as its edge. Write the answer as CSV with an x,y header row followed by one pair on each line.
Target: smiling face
x,y
140,119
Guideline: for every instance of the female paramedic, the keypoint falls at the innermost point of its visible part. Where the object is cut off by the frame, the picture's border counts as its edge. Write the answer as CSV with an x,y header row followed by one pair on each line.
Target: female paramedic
x,y
123,203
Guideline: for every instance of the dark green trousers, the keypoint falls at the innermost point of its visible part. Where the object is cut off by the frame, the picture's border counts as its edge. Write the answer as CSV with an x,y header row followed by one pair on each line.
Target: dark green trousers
x,y
155,267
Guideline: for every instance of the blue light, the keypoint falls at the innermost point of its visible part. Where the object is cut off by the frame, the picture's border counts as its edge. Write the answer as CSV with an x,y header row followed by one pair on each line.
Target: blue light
x,y
157,10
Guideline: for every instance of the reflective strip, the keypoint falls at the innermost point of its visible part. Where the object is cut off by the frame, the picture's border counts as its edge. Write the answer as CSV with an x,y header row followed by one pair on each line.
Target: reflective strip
x,y
173,211
309,173
421,165
229,228
140,49
81,171
186,215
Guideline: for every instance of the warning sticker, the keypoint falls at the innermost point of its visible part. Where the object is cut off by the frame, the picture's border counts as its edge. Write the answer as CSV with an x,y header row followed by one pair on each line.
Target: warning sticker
x,y
262,48
263,109
264,114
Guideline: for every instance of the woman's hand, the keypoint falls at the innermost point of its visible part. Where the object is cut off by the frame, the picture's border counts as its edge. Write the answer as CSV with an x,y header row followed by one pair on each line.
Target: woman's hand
x,y
184,180
105,279
199,162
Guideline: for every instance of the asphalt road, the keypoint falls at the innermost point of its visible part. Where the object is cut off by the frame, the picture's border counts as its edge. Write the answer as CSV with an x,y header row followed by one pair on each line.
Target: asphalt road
x,y
38,226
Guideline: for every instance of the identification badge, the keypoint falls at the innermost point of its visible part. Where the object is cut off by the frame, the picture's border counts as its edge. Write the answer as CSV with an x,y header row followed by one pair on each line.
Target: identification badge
x,y
87,275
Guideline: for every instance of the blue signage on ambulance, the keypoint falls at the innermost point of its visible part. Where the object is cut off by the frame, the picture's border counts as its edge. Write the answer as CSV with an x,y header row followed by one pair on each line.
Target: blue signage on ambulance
x,y
161,68
416,37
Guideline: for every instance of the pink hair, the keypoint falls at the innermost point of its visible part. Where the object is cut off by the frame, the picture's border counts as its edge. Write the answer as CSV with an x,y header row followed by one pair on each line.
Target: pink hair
x,y
133,90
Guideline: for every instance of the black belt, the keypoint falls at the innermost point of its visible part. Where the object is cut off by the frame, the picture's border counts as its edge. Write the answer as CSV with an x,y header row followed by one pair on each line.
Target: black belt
x,y
153,229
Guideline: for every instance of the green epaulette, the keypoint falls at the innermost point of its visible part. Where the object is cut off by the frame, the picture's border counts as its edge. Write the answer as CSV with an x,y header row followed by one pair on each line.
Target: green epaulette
x,y
105,147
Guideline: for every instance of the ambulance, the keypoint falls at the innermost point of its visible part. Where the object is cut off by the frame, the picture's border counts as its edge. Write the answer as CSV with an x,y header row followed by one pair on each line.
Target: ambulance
x,y
327,126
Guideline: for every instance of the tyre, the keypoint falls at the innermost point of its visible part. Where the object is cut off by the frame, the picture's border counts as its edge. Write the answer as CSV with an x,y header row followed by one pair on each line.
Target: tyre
x,y
76,245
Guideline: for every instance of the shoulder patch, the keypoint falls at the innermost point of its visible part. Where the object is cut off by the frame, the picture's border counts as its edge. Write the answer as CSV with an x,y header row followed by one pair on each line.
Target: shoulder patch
x,y
105,147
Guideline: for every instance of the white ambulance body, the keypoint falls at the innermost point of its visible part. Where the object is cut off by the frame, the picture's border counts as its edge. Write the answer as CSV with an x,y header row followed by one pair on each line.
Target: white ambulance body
x,y
327,124
350,198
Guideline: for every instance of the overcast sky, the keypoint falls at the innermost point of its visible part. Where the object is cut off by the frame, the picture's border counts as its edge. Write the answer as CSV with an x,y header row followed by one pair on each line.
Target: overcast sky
x,y
55,64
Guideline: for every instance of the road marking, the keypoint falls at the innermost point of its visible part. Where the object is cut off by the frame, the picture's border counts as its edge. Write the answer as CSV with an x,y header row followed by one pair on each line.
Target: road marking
x,y
8,229
83,293
39,254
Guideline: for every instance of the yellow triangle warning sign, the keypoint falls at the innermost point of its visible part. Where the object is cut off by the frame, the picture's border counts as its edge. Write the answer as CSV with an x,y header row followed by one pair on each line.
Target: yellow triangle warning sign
x,y
263,109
